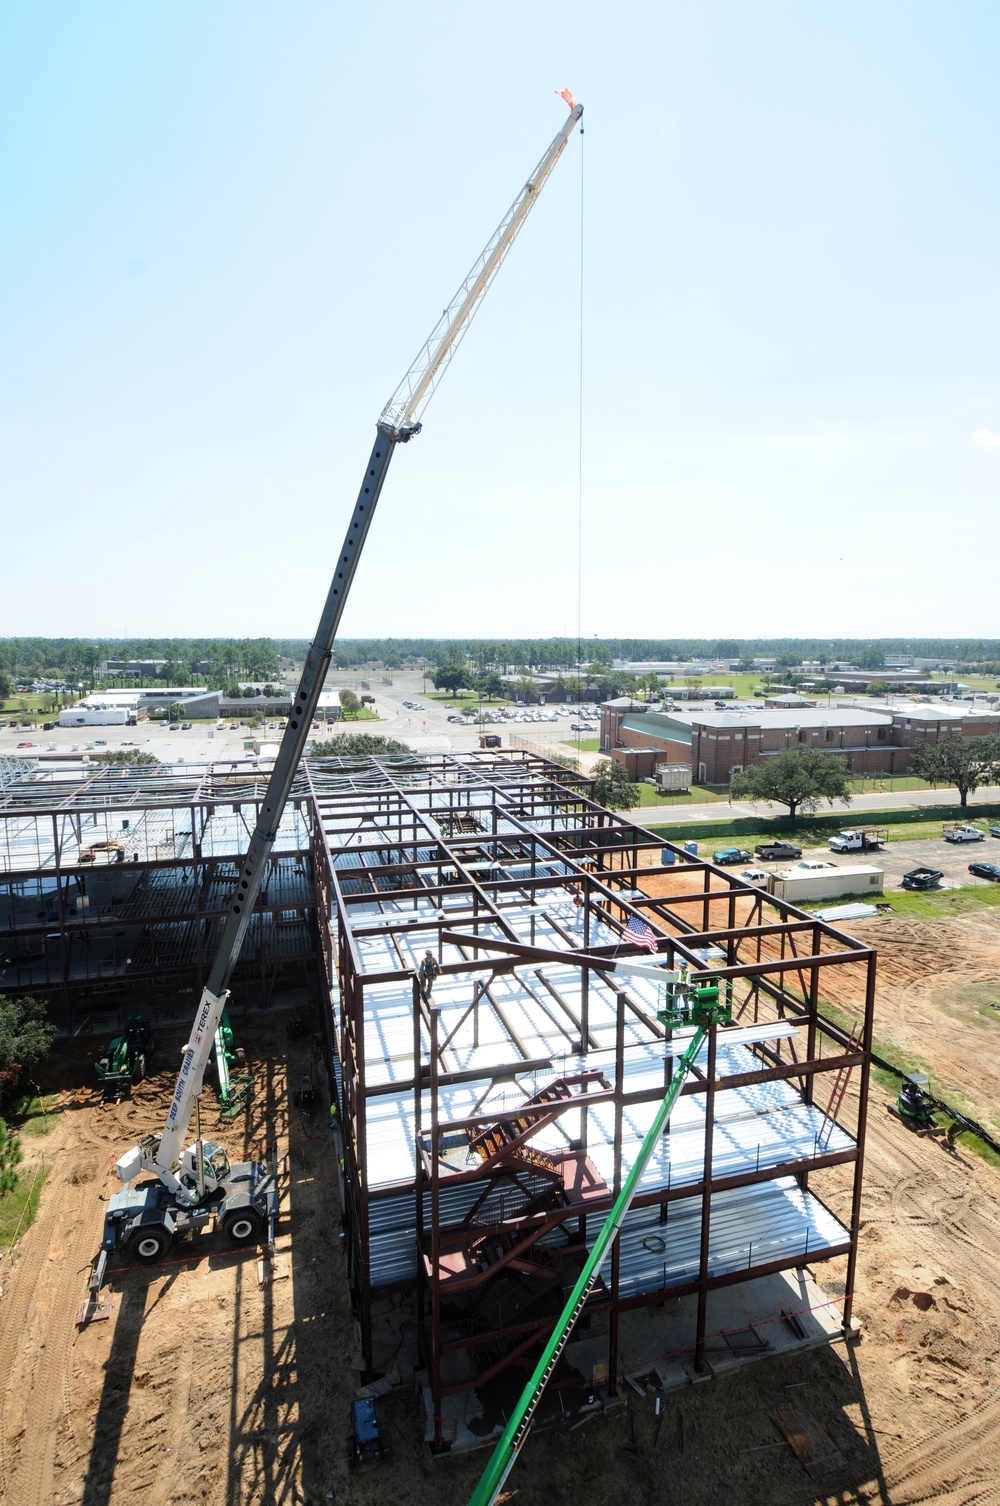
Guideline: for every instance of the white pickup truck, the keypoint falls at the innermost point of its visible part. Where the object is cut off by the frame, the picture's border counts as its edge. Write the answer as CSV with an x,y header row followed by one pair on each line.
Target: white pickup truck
x,y
963,834
858,839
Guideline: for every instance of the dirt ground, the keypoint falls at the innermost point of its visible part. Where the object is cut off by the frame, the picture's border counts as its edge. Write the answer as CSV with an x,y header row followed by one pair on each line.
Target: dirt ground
x,y
204,1387
938,998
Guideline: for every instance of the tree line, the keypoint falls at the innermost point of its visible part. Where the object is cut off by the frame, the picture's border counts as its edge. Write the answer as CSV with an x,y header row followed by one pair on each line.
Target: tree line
x,y
221,661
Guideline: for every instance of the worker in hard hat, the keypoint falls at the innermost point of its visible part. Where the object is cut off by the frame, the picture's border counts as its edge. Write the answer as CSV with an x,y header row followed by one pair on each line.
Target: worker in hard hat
x,y
428,970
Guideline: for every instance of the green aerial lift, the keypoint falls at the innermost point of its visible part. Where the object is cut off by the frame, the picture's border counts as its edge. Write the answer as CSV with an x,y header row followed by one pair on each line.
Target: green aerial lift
x,y
235,1093
689,1002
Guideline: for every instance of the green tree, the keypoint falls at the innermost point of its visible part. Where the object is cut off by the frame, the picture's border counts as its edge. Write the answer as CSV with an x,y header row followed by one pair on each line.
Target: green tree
x,y
878,687
124,756
25,1038
349,703
356,744
176,712
966,763
799,778
489,684
746,663
10,1159
448,677
6,686
612,786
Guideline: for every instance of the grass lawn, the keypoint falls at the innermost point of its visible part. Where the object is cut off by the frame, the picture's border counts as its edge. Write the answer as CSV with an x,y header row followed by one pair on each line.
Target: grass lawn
x,y
698,794
18,1208
583,744
447,698
945,902
917,831
34,1115
32,709
872,786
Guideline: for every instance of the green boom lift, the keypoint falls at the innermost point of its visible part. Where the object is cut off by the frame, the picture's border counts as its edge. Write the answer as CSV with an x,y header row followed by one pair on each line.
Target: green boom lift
x,y
689,1002
235,1093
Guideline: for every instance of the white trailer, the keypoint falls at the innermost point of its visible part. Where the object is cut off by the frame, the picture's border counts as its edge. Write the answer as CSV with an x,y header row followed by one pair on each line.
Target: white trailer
x,y
92,716
795,884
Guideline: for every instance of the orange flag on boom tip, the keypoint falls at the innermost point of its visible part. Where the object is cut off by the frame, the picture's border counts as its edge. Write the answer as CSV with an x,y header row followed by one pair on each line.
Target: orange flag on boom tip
x,y
567,96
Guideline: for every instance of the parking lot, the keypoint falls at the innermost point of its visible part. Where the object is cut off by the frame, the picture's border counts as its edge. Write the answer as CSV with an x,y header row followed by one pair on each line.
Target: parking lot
x,y
897,858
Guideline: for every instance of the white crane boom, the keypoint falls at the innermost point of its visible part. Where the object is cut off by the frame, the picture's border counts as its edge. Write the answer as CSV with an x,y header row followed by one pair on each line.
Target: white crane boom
x,y
398,423
402,412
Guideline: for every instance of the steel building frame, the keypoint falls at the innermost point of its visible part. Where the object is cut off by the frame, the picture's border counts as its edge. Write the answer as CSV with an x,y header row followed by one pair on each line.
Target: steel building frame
x,y
74,923
522,887
487,1123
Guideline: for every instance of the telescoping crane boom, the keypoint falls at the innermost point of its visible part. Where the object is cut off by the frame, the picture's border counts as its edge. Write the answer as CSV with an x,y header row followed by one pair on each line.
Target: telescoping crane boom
x,y
198,1184
694,1003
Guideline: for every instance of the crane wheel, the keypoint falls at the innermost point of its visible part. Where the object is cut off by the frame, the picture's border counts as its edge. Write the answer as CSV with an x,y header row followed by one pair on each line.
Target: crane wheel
x,y
244,1226
147,1246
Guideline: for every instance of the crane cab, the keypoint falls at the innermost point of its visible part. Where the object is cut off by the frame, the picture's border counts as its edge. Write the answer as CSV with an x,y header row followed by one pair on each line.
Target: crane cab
x,y
215,1165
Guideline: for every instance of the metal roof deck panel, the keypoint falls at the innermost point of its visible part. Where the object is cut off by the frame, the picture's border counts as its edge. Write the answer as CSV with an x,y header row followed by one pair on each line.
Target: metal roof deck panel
x,y
750,1226
760,1125
742,1141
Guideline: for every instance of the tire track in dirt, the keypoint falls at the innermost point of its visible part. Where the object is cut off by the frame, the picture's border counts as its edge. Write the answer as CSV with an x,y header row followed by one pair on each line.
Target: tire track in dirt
x,y
36,1350
934,1464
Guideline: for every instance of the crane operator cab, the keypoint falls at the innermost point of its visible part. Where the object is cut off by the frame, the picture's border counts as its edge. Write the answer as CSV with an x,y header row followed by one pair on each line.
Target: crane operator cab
x,y
215,1165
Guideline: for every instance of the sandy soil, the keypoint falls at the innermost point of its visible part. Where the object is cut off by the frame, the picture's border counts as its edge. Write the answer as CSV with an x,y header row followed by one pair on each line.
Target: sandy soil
x,y
203,1387
938,985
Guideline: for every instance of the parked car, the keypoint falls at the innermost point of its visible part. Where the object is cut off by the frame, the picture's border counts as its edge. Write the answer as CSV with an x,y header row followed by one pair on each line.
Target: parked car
x,y
922,878
185,726
986,871
25,745
175,726
963,834
814,863
728,855
994,829
777,850
758,876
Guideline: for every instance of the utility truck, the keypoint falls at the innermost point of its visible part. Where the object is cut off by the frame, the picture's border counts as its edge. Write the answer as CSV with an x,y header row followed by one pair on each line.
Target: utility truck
x,y
170,1190
859,839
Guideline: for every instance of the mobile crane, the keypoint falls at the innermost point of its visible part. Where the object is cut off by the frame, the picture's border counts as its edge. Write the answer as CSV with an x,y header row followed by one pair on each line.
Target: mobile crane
x,y
189,1188
691,1001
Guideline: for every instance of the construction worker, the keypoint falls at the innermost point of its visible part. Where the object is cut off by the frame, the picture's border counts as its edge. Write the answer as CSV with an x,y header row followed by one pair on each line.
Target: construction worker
x,y
427,972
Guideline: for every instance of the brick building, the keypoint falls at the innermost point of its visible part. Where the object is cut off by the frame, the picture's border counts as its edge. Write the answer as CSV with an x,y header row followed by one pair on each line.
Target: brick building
x,y
715,744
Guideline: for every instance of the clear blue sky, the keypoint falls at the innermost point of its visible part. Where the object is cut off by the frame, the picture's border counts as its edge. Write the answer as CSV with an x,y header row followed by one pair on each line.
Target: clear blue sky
x,y
226,229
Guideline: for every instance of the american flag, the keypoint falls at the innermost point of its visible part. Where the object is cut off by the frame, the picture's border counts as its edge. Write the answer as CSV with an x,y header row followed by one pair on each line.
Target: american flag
x,y
640,933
